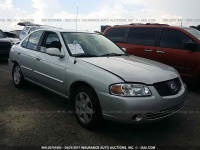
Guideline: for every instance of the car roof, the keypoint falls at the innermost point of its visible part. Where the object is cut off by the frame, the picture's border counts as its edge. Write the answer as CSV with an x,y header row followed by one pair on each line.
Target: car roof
x,y
147,25
62,30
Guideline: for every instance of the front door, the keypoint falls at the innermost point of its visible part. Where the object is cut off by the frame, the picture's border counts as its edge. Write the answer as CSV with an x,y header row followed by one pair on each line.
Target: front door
x,y
141,42
50,70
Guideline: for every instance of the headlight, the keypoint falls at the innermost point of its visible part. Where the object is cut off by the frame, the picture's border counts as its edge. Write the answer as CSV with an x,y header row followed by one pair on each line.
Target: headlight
x,y
135,90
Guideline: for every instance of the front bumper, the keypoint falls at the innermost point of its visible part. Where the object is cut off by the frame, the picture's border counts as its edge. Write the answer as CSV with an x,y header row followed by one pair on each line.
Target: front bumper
x,y
141,109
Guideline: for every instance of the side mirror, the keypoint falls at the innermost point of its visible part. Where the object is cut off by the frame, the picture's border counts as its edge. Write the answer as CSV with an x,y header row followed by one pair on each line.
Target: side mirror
x,y
191,45
54,52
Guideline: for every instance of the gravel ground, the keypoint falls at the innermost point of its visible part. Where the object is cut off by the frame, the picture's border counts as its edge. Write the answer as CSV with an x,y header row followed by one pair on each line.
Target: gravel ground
x,y
33,117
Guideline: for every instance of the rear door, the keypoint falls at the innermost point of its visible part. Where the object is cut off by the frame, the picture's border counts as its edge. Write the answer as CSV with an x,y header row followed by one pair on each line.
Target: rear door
x,y
27,54
171,50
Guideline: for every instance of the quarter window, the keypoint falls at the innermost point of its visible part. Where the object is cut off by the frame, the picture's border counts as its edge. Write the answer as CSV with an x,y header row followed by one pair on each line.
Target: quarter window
x,y
171,38
116,34
142,36
34,40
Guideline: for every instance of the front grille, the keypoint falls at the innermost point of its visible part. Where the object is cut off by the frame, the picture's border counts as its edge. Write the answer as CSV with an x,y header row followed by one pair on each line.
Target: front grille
x,y
5,45
163,113
164,88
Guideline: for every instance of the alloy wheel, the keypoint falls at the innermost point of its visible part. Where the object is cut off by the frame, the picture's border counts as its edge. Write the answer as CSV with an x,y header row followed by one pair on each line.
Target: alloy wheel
x,y
83,107
17,75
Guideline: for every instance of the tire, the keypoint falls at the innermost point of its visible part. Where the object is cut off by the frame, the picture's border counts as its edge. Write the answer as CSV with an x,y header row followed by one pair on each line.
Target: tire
x,y
87,107
17,76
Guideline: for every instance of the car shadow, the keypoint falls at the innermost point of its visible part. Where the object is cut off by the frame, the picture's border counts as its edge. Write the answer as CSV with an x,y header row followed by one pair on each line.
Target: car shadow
x,y
193,87
3,61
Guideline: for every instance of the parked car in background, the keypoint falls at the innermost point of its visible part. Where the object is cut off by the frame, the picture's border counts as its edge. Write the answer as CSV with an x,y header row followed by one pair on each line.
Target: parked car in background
x,y
196,27
5,45
30,27
26,30
16,32
98,77
12,37
178,47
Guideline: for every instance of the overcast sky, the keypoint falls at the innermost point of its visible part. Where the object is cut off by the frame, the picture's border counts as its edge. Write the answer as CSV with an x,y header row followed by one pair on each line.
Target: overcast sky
x,y
103,12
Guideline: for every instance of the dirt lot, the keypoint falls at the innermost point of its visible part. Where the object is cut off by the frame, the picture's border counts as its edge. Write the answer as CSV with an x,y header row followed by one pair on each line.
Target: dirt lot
x,y
33,117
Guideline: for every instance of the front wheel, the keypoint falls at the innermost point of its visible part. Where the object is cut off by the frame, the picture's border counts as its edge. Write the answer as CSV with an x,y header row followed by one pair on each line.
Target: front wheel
x,y
17,76
86,107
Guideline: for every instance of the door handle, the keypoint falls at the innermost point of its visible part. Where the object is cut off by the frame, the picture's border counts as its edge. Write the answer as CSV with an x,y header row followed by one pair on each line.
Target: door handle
x,y
18,53
37,58
162,52
148,50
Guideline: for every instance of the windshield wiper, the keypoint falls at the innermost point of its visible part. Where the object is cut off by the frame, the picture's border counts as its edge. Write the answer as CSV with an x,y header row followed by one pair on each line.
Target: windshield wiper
x,y
85,55
112,54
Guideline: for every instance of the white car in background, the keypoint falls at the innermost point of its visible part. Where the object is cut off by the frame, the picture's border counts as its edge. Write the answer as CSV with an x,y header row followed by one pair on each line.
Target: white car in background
x,y
26,30
30,27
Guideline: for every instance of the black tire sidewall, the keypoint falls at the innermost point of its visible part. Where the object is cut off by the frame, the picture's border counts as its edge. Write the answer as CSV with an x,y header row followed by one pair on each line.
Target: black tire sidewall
x,y
97,115
21,83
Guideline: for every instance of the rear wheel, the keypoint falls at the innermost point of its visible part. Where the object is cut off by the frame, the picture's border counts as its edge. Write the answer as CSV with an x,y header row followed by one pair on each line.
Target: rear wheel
x,y
86,107
17,76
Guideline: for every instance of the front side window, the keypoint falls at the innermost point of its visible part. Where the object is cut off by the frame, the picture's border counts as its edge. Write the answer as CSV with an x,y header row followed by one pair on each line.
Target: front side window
x,y
116,34
34,40
50,40
142,36
90,45
172,38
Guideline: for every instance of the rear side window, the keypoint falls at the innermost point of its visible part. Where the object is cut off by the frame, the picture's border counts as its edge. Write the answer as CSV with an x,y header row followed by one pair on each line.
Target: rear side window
x,y
172,38
34,40
142,36
116,34
24,43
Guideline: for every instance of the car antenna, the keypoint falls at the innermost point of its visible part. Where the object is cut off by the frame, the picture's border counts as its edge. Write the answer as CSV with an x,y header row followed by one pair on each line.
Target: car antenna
x,y
76,33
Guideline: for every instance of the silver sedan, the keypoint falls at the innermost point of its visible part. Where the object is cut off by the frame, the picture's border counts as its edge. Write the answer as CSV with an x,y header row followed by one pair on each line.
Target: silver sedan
x,y
101,80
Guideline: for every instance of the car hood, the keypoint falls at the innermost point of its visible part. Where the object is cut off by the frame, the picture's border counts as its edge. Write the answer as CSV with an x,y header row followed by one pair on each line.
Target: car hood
x,y
14,40
134,69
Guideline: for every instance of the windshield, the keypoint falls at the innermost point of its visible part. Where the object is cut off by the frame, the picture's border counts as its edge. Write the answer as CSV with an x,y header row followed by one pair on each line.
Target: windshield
x,y
90,45
2,35
194,32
